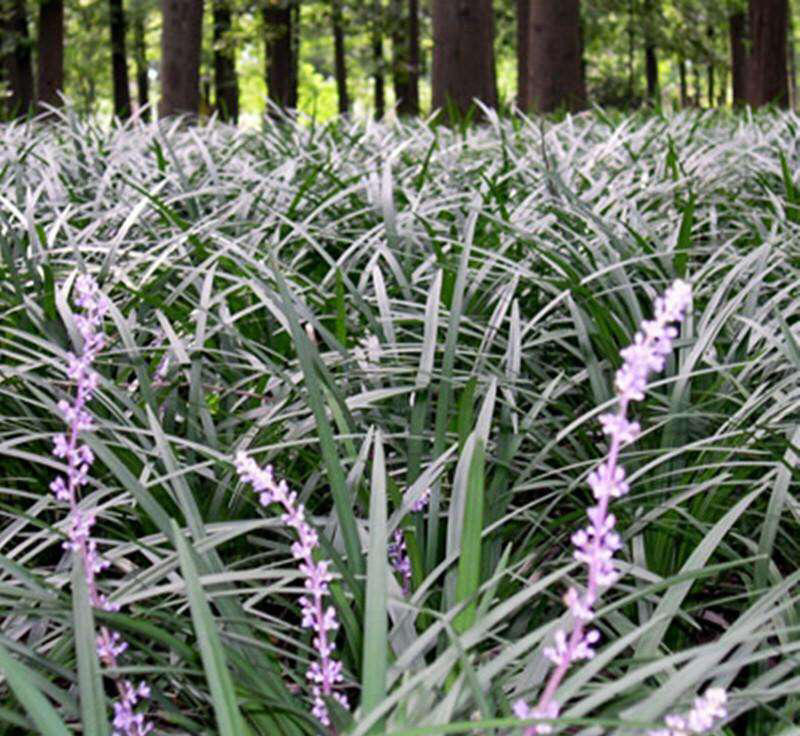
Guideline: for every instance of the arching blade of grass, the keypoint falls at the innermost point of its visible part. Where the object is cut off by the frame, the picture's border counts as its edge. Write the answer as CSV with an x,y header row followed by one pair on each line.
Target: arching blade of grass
x,y
445,382
373,671
94,715
223,694
336,476
20,679
671,602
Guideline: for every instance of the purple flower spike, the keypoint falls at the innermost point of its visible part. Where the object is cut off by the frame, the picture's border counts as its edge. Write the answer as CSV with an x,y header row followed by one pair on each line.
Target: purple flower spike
x,y
325,673
79,458
700,718
596,544
398,556
398,553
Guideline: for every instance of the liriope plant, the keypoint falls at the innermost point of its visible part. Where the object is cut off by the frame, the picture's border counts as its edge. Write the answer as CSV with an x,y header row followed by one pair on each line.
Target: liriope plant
x,y
534,286
94,306
596,544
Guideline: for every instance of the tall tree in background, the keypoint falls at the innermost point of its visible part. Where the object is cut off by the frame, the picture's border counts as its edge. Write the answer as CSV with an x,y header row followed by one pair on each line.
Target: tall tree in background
x,y
523,26
737,24
710,66
140,59
16,61
650,58
463,55
281,59
555,75
339,57
50,76
405,51
225,82
683,85
792,71
767,78
119,60
377,59
181,38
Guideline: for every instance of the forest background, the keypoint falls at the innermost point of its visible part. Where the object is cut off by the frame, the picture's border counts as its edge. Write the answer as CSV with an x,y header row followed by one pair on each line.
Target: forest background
x,y
368,57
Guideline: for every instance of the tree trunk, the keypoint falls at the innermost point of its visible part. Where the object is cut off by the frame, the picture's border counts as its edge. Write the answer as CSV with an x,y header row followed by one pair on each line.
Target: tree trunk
x,y
119,60
523,29
651,64
698,85
281,55
737,24
50,81
377,60
226,88
792,71
710,67
684,90
181,38
650,58
463,55
16,61
555,78
140,59
631,50
722,96
767,78
405,51
339,57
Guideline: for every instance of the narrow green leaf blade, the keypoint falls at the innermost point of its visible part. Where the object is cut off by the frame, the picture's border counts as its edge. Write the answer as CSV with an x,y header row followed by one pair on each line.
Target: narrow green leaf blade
x,y
373,673
90,681
223,696
38,708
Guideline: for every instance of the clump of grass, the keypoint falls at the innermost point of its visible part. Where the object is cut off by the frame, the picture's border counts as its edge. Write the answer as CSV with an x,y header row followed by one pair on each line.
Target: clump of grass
x,y
378,311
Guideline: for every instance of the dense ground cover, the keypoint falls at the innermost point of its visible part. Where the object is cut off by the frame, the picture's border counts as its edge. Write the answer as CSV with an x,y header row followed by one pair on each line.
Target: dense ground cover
x,y
377,311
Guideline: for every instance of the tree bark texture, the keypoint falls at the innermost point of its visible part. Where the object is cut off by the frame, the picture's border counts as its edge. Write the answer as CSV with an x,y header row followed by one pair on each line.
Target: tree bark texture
x,y
119,60
16,62
377,60
140,60
463,55
50,77
651,68
181,38
737,25
792,71
710,67
523,28
339,57
682,85
555,77
405,51
650,57
281,55
226,85
767,78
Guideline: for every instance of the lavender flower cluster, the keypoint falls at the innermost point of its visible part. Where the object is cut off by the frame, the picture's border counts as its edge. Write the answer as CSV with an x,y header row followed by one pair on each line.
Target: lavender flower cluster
x,y
79,458
326,673
398,553
700,718
596,544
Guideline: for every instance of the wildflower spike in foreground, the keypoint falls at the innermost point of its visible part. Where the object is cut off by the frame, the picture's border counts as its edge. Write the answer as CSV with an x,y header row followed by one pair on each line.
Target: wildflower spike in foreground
x,y
596,544
398,553
326,673
700,718
79,457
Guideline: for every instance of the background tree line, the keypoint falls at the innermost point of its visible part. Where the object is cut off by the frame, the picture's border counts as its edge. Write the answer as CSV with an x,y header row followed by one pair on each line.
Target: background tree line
x,y
198,56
